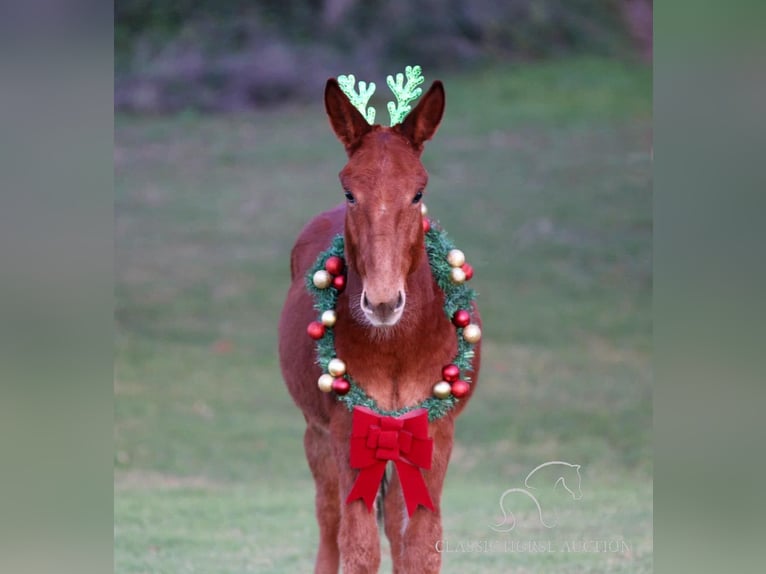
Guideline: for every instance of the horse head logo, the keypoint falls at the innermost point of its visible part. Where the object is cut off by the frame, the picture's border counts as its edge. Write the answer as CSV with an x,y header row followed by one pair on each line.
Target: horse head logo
x,y
553,473
567,475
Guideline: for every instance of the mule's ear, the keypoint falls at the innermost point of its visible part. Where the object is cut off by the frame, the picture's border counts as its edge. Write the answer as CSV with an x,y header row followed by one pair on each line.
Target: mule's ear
x,y
421,124
346,121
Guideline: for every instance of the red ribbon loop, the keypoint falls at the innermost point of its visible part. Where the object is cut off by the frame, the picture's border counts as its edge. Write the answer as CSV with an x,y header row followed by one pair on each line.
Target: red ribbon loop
x,y
376,439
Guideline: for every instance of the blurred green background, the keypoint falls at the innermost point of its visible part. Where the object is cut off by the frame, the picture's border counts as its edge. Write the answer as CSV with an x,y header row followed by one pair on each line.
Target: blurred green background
x,y
541,172
231,55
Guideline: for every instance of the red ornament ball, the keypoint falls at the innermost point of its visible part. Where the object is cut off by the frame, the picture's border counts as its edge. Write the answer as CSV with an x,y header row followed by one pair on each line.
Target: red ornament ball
x,y
334,265
461,318
460,389
468,270
341,386
426,225
339,282
315,330
450,373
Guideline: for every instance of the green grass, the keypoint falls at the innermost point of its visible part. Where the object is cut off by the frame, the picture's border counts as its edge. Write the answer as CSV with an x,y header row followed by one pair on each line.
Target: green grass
x,y
545,183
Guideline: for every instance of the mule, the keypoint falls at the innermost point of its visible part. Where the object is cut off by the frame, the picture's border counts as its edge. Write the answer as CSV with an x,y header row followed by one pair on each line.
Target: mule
x,y
391,331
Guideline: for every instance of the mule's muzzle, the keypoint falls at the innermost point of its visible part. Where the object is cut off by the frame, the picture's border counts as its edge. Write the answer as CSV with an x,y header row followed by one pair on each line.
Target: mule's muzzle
x,y
383,313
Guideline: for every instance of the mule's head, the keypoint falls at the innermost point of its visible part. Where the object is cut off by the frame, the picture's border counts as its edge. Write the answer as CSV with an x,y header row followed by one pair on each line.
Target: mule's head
x,y
384,183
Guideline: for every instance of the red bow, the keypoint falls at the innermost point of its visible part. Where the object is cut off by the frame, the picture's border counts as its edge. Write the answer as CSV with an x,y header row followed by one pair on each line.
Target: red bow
x,y
376,439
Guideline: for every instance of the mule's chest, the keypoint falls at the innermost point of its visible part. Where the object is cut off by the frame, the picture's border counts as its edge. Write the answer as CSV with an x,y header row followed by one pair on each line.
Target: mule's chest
x,y
400,374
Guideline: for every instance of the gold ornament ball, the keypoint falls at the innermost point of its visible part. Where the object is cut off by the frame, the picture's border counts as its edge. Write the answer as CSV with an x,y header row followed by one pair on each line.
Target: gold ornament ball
x,y
423,209
472,333
456,258
322,279
442,390
329,317
336,367
325,383
457,275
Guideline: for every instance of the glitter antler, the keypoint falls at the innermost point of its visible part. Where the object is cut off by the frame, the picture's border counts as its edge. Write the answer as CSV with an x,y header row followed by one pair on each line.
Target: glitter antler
x,y
405,94
359,101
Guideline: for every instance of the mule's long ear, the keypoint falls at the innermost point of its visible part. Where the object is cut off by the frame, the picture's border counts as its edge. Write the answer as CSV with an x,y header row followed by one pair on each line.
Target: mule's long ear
x,y
421,124
346,121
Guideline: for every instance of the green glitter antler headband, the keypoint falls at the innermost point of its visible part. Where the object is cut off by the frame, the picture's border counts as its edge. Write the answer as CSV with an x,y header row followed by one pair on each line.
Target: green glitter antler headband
x,y
359,101
405,94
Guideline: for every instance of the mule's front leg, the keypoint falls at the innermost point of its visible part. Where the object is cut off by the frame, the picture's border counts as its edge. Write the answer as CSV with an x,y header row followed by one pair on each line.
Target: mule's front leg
x,y
358,538
424,528
320,458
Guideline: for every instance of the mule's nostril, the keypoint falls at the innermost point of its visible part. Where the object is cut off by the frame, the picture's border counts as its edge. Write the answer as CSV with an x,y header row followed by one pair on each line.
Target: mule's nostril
x,y
399,301
365,301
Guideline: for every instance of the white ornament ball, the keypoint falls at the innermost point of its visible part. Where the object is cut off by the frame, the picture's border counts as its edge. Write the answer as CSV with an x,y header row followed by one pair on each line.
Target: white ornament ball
x,y
423,209
325,383
456,258
336,367
472,333
328,318
322,279
457,275
442,390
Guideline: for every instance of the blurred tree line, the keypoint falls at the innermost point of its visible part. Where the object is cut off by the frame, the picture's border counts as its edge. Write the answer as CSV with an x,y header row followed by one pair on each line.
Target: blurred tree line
x,y
237,54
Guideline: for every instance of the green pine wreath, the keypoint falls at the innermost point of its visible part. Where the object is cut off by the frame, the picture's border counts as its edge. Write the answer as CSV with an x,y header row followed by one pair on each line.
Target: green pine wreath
x,y
457,296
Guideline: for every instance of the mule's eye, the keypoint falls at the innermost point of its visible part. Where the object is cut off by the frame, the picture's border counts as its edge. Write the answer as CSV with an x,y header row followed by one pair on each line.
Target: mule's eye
x,y
418,197
349,196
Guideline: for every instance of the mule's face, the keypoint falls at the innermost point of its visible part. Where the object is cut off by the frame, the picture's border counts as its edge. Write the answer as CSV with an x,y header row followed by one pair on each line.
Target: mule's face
x,y
384,182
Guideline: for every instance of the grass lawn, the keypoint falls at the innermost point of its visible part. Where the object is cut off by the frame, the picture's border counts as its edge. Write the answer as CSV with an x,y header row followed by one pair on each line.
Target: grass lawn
x,y
542,175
